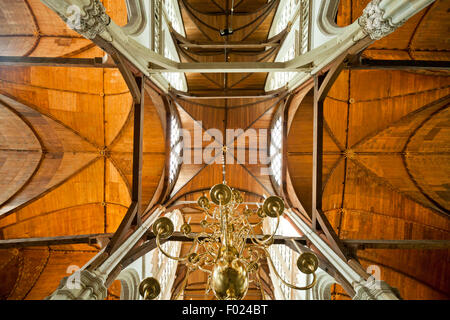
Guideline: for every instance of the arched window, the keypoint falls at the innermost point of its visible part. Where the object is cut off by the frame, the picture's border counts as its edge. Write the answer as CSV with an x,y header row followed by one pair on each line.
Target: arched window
x,y
129,280
276,145
284,259
174,78
153,264
167,12
174,16
297,41
161,267
285,11
175,148
167,267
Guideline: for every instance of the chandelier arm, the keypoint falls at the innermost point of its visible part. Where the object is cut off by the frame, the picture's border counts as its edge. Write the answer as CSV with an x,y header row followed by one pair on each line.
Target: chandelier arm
x,y
197,235
209,263
204,270
253,240
309,286
253,251
226,235
158,244
244,242
253,237
208,285
203,243
255,224
209,214
264,242
218,251
202,260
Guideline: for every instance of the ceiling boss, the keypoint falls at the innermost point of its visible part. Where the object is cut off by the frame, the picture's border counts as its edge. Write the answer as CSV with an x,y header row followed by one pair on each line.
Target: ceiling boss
x,y
228,248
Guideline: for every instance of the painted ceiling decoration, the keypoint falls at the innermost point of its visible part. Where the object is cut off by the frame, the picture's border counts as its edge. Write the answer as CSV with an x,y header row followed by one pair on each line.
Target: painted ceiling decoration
x,y
97,141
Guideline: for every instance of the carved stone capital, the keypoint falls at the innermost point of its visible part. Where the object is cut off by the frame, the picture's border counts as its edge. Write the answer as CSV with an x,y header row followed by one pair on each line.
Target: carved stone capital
x,y
81,285
88,20
375,290
373,22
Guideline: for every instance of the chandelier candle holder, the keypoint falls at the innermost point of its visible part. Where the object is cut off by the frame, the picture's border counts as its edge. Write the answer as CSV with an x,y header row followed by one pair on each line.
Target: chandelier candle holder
x,y
228,248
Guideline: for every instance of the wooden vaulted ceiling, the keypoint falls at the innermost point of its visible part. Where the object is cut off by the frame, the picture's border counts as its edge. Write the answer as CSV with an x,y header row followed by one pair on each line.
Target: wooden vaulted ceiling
x,y
66,139
386,161
250,23
203,21
66,142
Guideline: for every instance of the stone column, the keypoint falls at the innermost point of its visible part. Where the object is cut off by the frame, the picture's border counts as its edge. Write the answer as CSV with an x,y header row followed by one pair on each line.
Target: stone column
x,y
365,289
90,284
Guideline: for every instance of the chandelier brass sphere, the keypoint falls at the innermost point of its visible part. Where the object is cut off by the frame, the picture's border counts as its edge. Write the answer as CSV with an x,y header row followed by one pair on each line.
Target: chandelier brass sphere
x,y
229,280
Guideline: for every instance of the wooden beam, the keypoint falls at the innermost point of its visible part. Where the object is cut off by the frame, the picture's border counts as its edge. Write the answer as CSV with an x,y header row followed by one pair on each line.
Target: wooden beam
x,y
228,94
133,215
265,280
123,228
331,76
97,238
127,69
138,134
180,281
128,76
317,151
206,94
397,244
178,236
229,45
368,64
187,202
333,239
322,85
229,67
300,246
54,62
185,43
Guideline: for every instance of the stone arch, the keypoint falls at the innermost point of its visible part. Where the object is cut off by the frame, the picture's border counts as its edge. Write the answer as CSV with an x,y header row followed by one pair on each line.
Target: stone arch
x,y
129,280
322,289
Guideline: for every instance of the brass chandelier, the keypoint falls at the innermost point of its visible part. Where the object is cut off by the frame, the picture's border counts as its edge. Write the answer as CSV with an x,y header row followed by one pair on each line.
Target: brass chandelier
x,y
228,248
